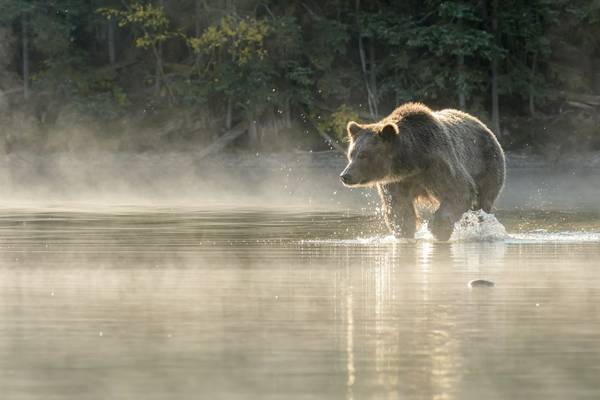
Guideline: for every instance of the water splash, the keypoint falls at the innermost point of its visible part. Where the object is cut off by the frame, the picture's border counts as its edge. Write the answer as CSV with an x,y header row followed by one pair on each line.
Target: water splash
x,y
478,226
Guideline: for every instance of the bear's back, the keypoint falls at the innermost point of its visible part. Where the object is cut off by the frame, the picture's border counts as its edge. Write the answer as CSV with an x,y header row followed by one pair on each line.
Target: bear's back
x,y
475,144
458,121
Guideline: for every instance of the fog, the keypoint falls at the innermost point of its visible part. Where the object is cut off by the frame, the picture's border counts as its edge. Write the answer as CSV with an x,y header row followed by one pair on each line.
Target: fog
x,y
307,180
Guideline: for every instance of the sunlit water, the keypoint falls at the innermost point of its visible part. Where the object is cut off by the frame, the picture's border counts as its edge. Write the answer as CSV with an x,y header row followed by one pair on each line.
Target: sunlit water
x,y
273,304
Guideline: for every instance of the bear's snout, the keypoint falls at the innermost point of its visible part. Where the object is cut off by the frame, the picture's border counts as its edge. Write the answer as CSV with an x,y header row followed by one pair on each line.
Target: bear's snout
x,y
346,178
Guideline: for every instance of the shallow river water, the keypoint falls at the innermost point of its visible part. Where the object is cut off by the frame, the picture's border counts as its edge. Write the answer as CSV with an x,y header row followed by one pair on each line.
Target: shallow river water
x,y
160,303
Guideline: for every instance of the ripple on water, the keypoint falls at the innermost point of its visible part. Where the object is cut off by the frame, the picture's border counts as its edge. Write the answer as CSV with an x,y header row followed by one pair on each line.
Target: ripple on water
x,y
543,236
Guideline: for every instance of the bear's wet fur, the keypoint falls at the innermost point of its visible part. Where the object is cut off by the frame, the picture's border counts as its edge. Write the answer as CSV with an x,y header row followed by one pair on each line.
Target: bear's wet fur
x,y
447,156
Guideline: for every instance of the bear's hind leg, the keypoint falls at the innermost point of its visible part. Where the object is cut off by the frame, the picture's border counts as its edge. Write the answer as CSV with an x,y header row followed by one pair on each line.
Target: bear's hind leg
x,y
398,209
489,184
485,203
487,196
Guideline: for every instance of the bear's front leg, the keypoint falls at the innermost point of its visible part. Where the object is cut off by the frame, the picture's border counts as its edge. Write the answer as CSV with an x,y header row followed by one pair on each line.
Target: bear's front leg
x,y
442,223
456,195
398,209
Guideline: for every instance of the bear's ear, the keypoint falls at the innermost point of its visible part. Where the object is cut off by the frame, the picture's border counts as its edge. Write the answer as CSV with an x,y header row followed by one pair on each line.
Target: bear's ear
x,y
353,129
389,132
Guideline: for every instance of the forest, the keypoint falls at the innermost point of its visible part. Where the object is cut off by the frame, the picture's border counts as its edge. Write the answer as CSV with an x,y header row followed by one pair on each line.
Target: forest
x,y
269,75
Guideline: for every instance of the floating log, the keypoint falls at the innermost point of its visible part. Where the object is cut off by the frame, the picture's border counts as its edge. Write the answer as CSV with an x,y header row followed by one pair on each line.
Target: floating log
x,y
580,105
579,98
583,98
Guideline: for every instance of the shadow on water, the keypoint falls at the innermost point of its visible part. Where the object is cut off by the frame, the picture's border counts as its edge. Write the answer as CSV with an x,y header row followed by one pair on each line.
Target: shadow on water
x,y
182,303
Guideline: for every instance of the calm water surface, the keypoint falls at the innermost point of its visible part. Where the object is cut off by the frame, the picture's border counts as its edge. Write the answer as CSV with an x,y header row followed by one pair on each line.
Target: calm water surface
x,y
272,304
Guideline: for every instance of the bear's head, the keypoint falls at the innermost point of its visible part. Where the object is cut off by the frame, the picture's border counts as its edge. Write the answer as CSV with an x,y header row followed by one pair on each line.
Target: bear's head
x,y
371,154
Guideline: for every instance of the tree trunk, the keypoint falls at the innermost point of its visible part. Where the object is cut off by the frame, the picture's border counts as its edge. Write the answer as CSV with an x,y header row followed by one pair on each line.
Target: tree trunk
x,y
253,133
229,113
494,73
371,97
25,55
157,50
531,88
160,75
158,71
112,55
495,105
462,101
197,28
288,113
197,17
596,72
373,77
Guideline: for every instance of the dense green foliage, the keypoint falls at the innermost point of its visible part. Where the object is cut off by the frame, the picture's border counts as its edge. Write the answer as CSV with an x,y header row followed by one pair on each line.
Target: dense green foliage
x,y
287,69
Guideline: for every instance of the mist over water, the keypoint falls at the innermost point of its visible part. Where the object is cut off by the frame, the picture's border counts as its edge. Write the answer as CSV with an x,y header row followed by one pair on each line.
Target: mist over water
x,y
298,179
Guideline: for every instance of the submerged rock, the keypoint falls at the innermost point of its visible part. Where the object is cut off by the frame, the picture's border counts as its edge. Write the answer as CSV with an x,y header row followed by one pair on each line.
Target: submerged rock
x,y
481,283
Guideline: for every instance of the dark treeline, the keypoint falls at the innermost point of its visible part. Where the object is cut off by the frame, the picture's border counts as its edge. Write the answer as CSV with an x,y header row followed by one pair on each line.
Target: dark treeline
x,y
165,74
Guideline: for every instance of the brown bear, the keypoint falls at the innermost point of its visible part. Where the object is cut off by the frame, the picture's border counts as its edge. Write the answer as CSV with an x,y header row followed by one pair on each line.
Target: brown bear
x,y
447,156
